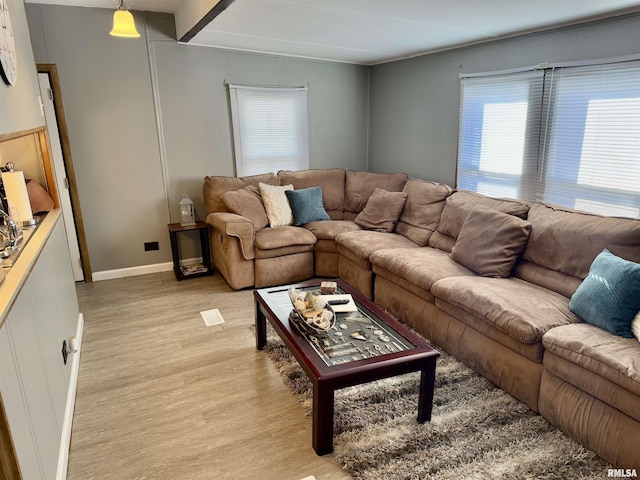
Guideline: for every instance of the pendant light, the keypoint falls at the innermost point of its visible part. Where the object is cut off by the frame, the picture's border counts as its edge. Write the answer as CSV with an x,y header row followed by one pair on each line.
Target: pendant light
x,y
123,23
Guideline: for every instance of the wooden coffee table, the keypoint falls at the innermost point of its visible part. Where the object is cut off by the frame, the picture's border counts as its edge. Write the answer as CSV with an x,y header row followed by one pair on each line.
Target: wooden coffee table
x,y
377,347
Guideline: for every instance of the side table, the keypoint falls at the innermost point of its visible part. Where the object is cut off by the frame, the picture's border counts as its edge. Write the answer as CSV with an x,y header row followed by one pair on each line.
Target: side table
x,y
203,228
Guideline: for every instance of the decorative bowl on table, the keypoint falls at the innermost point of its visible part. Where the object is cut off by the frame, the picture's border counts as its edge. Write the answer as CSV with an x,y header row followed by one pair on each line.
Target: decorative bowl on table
x,y
309,312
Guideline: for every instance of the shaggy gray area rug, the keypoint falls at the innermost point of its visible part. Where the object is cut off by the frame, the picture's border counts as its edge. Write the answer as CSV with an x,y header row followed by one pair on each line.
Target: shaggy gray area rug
x,y
477,430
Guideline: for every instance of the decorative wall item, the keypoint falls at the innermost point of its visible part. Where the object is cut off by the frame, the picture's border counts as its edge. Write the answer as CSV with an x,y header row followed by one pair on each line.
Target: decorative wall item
x,y
8,65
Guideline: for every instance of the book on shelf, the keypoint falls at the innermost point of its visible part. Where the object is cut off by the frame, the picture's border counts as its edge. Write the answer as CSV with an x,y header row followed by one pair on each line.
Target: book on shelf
x,y
192,268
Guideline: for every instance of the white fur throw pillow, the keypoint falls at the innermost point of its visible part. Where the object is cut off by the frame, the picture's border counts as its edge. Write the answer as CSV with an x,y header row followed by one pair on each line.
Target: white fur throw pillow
x,y
635,326
276,204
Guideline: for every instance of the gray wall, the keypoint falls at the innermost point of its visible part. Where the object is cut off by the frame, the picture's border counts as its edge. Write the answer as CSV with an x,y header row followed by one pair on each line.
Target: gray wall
x,y
148,120
414,103
19,106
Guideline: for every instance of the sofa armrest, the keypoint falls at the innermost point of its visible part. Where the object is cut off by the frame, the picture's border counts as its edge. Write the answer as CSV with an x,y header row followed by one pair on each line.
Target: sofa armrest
x,y
233,225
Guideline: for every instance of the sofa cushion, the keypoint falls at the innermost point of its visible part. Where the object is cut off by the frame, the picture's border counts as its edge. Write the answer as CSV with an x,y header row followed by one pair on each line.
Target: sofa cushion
x,y
332,181
276,204
592,384
285,236
457,207
330,230
551,279
358,246
421,267
422,210
215,186
247,203
568,241
306,205
360,185
609,297
610,356
490,242
519,309
382,210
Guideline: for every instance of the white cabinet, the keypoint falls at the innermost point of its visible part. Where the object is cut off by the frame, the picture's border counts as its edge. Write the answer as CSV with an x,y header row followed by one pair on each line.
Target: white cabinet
x,y
16,409
34,381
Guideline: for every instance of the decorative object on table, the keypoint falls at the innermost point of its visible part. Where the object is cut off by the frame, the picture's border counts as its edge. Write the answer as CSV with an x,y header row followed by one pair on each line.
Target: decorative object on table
x,y
328,288
187,213
123,23
15,188
8,57
310,309
339,302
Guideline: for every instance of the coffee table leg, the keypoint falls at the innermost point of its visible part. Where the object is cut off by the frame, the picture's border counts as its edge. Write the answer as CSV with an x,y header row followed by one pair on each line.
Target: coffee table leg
x,y
322,419
427,383
261,328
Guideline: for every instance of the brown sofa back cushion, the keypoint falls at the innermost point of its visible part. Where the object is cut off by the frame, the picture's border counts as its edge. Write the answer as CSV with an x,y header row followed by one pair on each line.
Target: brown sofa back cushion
x,y
422,210
215,186
360,185
247,202
457,208
490,242
382,211
332,181
564,243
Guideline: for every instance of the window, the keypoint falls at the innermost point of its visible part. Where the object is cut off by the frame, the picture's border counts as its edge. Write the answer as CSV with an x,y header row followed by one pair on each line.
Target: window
x,y
564,135
269,129
499,133
593,158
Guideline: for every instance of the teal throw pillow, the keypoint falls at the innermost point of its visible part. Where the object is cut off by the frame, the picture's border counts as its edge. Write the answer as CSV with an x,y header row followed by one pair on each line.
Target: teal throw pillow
x,y
610,295
306,205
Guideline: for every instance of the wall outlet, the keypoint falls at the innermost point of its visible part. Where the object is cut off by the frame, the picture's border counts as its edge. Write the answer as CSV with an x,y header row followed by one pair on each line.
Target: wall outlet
x,y
148,246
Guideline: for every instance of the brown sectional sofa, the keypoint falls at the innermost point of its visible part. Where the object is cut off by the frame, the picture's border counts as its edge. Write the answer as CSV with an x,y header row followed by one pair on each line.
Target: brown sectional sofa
x,y
517,331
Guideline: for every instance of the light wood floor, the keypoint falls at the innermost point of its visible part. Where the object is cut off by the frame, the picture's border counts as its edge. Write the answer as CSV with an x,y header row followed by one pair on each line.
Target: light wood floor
x,y
162,396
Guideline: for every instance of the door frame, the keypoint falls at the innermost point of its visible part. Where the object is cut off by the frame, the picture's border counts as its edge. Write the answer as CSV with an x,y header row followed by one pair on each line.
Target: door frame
x,y
52,71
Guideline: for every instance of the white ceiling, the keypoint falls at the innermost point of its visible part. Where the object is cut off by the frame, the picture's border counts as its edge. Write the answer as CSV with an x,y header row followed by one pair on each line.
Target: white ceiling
x,y
373,31
166,6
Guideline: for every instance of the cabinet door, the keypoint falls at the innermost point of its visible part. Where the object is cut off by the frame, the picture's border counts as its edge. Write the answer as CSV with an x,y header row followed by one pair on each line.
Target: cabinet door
x,y
60,281
16,383
54,304
16,411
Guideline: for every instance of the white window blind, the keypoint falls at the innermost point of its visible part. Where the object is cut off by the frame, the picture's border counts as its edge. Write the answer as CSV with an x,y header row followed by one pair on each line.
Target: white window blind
x,y
593,156
269,129
499,133
568,135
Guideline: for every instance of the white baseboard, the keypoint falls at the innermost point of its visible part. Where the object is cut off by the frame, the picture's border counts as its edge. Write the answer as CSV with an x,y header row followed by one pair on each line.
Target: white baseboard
x,y
131,271
141,270
65,441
